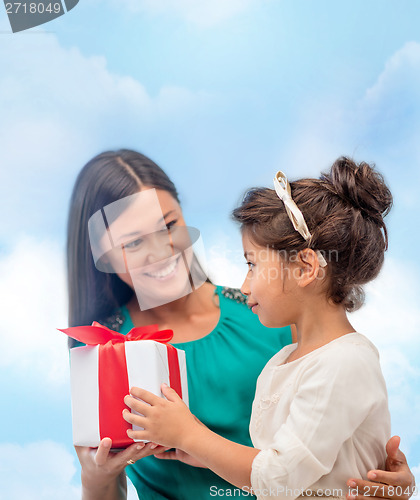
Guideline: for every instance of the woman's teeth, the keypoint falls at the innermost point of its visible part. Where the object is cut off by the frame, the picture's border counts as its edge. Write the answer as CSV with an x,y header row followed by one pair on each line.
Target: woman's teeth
x,y
162,273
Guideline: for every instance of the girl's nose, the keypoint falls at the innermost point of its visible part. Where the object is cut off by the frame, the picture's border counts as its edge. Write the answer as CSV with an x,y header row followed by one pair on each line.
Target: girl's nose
x,y
245,287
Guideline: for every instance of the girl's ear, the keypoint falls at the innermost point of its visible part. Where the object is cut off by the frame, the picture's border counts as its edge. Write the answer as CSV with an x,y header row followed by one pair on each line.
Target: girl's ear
x,y
309,268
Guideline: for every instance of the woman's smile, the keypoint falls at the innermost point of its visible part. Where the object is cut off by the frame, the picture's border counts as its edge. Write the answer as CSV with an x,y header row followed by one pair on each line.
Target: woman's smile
x,y
163,272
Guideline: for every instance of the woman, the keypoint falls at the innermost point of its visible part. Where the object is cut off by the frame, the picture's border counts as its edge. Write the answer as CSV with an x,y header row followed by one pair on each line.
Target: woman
x,y
226,346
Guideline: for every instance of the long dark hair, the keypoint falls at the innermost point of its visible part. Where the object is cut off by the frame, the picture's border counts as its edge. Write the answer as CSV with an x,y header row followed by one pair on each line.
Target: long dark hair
x,y
344,210
106,178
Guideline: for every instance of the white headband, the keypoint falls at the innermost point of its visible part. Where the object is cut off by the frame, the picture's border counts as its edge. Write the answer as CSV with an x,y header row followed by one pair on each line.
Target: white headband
x,y
282,187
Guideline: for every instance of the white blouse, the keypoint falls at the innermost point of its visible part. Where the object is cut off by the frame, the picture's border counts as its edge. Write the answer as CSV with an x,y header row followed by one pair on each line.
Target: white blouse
x,y
319,420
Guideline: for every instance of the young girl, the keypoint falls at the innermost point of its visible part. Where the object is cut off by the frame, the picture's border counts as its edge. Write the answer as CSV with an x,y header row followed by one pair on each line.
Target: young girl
x,y
320,409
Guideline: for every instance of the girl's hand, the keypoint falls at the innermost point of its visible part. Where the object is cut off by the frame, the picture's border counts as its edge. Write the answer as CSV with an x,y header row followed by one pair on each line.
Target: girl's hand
x,y
101,467
182,456
397,482
165,421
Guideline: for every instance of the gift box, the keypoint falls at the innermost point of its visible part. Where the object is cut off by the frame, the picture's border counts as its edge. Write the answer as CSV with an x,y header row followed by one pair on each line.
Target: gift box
x,y
103,371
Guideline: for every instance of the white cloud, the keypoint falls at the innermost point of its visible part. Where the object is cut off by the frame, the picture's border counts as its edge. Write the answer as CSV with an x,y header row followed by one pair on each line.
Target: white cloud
x,y
392,305
391,319
33,298
225,260
48,79
389,115
399,82
382,125
204,13
38,471
59,108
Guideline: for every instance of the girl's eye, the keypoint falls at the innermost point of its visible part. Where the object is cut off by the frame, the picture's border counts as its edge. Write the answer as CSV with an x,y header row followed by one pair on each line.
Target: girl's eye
x,y
250,265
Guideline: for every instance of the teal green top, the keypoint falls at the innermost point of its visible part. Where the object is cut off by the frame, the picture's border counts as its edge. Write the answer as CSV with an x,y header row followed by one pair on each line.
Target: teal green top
x,y
222,369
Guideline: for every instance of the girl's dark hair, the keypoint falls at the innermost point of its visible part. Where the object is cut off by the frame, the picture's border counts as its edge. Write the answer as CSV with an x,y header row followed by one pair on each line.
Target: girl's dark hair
x,y
344,211
108,177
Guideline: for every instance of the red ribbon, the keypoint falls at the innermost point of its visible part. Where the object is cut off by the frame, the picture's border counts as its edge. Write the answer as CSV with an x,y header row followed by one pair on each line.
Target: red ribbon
x,y
113,376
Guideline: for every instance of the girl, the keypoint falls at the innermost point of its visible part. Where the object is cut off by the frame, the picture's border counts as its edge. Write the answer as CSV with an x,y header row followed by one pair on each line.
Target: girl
x,y
320,409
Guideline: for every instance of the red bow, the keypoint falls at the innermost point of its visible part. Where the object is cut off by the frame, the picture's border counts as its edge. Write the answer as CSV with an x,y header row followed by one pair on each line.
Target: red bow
x,y
99,334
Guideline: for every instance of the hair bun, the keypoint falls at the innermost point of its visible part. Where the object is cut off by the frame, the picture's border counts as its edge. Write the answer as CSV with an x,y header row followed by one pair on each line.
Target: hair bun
x,y
361,186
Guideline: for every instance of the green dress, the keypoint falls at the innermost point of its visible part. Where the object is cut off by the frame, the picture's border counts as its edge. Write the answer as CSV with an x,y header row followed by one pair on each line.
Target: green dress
x,y
222,368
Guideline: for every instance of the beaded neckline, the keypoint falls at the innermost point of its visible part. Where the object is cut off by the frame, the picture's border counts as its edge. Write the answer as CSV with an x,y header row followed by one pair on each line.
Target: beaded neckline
x,y
115,321
234,294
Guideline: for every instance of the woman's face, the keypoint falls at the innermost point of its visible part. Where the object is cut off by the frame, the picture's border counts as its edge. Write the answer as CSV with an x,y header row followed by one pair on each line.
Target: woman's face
x,y
153,245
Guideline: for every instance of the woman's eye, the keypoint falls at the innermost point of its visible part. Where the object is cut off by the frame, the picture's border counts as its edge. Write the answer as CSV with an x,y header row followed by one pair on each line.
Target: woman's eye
x,y
170,224
250,265
133,244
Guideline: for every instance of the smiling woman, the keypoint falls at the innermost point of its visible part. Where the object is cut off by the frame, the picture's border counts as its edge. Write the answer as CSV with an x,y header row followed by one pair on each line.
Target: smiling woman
x,y
105,211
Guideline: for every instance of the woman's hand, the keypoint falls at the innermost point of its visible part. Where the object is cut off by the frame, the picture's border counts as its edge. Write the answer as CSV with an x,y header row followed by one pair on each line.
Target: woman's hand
x,y
103,471
182,456
397,482
165,421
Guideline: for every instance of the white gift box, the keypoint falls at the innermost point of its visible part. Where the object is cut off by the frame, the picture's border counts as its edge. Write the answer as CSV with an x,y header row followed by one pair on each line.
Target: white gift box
x,y
98,389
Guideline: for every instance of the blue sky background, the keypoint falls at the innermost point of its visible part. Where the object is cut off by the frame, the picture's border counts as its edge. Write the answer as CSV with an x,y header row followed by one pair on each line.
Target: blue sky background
x,y
221,95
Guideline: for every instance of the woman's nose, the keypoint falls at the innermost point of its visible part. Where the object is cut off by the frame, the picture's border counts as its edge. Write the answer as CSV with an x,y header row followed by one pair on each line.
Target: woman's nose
x,y
159,247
